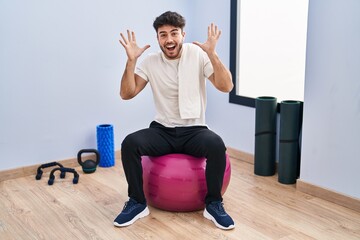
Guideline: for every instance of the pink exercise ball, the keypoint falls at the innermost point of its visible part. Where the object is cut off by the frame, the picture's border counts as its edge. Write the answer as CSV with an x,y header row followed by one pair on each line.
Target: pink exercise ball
x,y
176,182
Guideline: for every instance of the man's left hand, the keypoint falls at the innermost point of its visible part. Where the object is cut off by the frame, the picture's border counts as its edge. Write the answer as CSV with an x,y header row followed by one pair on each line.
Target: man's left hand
x,y
213,36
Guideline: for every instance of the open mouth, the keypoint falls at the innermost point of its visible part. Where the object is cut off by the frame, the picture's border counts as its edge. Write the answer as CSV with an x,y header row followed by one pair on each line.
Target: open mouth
x,y
170,47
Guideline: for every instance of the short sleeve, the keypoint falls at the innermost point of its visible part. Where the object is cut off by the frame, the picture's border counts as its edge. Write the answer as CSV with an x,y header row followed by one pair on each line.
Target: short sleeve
x,y
208,68
141,70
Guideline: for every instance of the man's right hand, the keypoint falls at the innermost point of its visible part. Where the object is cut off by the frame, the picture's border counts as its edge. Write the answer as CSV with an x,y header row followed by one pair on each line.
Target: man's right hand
x,y
133,51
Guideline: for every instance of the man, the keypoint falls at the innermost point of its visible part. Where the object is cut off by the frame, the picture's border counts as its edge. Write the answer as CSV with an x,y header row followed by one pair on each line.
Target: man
x,y
177,76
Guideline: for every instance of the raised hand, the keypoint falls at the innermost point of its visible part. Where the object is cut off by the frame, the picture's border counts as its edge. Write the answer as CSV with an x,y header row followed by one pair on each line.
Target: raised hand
x,y
213,36
133,51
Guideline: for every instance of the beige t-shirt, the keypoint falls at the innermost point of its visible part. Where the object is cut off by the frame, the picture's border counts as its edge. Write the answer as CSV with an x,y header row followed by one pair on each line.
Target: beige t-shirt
x,y
162,74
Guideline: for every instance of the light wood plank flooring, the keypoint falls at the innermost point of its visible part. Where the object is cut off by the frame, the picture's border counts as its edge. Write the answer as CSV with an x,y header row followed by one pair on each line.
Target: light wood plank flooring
x,y
261,207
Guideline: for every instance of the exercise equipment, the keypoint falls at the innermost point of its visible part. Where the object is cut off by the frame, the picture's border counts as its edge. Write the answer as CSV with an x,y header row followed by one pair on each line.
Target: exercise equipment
x,y
63,171
265,136
289,147
89,165
105,145
39,171
176,182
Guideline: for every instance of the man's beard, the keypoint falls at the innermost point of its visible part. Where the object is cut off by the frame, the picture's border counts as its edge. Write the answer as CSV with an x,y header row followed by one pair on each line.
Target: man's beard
x,y
163,49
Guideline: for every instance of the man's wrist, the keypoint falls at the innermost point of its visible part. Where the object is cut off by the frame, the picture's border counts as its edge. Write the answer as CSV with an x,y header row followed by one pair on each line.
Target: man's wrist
x,y
212,54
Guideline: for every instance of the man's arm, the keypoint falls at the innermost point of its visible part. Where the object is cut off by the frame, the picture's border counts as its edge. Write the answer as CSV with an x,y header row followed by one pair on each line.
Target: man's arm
x,y
221,78
131,84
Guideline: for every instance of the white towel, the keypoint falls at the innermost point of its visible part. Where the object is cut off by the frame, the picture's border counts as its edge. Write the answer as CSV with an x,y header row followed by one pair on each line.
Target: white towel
x,y
189,82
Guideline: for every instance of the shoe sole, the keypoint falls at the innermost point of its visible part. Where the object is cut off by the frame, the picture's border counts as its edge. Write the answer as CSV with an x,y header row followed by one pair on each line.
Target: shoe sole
x,y
142,214
207,215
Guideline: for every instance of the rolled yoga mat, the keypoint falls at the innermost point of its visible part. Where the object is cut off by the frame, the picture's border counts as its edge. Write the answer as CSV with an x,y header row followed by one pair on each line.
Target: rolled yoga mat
x,y
105,145
289,147
265,136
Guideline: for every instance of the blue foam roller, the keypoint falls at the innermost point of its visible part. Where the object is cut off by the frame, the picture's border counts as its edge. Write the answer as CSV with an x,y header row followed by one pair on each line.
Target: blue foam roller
x,y
105,145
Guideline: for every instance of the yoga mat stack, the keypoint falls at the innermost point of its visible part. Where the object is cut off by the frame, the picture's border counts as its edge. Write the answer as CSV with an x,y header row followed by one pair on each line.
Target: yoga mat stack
x,y
105,145
289,147
265,136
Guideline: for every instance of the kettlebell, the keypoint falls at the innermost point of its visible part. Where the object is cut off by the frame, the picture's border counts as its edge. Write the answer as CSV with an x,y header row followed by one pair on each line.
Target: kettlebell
x,y
88,166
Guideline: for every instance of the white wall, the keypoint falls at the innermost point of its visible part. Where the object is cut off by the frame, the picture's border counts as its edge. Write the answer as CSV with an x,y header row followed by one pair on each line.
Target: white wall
x,y
60,67
331,125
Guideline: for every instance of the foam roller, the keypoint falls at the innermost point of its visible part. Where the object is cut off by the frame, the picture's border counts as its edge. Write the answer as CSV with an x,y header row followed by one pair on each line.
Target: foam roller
x,y
105,145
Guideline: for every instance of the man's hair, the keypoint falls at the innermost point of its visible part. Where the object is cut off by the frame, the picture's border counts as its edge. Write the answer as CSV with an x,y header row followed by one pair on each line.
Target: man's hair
x,y
169,18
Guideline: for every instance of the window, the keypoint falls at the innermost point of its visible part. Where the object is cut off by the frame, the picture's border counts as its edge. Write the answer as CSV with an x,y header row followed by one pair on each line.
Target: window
x,y
267,49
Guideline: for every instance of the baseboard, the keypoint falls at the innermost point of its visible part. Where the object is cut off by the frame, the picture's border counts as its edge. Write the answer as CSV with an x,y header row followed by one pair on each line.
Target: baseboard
x,y
239,155
31,170
328,195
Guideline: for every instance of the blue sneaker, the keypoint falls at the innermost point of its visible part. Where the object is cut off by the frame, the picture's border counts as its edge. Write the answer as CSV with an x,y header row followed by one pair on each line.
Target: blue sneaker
x,y
131,212
215,212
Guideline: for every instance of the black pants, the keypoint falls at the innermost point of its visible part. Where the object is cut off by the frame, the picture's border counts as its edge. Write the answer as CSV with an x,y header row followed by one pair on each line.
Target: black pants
x,y
158,140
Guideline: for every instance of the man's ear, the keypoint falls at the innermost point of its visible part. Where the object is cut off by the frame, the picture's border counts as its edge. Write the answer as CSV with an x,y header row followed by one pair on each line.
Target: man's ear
x,y
183,34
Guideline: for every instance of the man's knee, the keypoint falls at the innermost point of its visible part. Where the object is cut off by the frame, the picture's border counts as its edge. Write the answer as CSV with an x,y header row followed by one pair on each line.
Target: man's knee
x,y
216,140
126,143
130,143
214,144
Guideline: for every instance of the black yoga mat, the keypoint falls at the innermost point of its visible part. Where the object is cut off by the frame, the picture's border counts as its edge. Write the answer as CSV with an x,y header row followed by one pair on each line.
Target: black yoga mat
x,y
289,146
265,136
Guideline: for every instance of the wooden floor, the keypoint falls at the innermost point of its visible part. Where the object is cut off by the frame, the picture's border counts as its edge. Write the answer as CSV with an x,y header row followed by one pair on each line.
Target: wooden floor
x,y
261,207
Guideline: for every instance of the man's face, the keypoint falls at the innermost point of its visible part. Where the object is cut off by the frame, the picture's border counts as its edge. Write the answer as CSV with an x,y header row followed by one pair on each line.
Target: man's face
x,y
170,40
